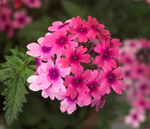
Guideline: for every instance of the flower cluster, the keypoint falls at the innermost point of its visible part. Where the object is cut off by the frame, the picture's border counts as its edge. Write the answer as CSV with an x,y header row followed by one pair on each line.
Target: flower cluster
x,y
20,18
77,64
135,55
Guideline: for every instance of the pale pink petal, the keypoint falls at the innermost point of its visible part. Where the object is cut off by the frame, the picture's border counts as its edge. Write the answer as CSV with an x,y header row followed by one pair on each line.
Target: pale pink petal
x,y
71,108
64,71
64,105
58,84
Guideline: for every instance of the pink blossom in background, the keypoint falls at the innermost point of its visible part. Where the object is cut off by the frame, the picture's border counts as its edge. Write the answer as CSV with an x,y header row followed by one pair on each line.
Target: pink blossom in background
x,y
5,14
8,28
12,18
135,69
33,3
68,70
134,118
21,19
133,45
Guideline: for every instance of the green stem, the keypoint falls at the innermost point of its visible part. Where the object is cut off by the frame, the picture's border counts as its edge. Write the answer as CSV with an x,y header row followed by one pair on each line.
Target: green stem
x,y
3,70
32,67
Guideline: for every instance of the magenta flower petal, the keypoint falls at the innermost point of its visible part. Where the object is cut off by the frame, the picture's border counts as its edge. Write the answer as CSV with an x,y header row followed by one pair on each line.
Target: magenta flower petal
x,y
105,87
118,73
114,52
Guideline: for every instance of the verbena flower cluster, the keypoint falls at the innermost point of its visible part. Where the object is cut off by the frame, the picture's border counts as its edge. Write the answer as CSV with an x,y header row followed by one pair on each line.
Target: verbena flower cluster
x,y
11,18
135,55
77,63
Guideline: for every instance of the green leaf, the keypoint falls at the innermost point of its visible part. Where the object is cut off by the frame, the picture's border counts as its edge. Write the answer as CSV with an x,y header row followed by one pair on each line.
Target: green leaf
x,y
73,10
14,72
15,96
3,74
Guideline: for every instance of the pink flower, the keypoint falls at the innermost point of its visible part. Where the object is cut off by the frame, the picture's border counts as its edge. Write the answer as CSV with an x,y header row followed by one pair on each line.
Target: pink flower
x,y
33,3
139,71
8,28
106,59
93,84
21,19
39,50
34,86
74,58
143,87
77,84
112,79
115,42
133,46
67,104
127,74
59,25
52,76
99,103
79,29
5,15
134,118
95,29
58,41
141,103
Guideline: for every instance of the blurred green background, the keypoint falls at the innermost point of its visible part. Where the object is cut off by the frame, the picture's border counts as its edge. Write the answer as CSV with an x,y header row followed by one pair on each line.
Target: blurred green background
x,y
123,18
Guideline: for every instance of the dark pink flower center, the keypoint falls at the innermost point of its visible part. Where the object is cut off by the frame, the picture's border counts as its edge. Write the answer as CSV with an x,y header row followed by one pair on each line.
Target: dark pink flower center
x,y
77,81
106,55
142,102
111,78
32,1
3,17
127,73
140,70
7,27
53,73
74,58
46,49
82,30
92,86
21,20
95,28
143,87
135,116
132,44
61,41
128,60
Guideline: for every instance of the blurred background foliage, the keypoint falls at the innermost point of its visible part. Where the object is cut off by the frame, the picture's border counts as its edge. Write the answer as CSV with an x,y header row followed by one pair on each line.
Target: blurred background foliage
x,y
123,18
